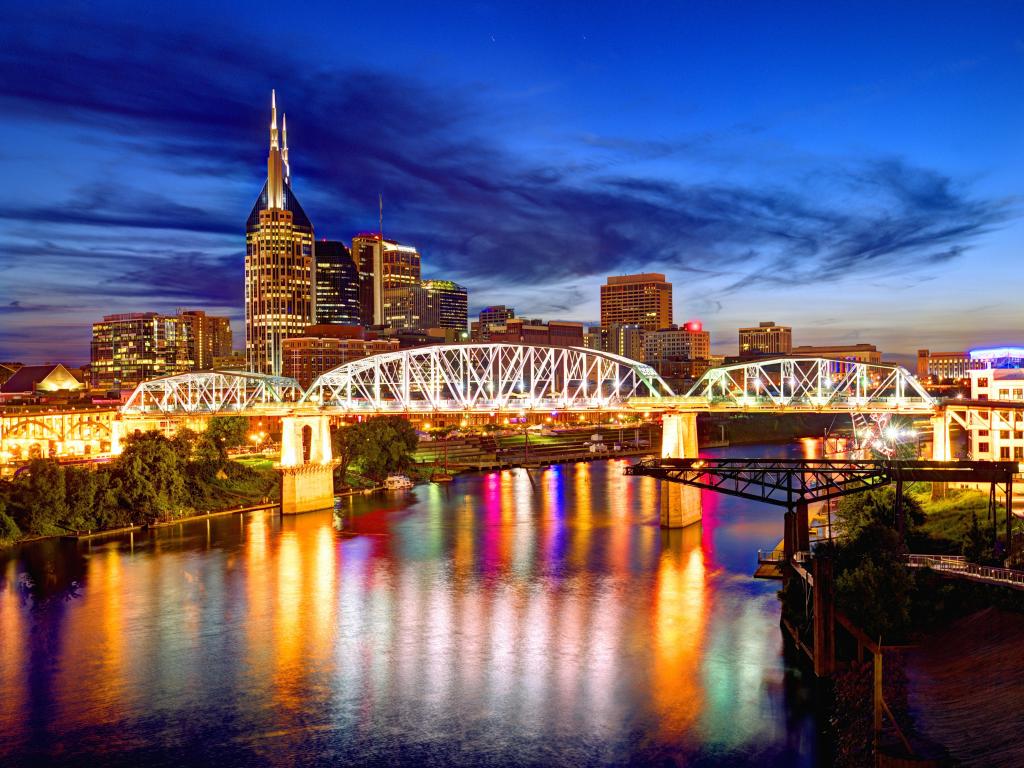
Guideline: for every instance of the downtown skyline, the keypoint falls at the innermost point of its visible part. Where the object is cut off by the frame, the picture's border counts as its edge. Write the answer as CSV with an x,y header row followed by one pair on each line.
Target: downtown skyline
x,y
528,166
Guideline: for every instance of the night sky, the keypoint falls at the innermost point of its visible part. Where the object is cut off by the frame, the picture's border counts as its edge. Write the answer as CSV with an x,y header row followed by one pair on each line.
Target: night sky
x,y
854,172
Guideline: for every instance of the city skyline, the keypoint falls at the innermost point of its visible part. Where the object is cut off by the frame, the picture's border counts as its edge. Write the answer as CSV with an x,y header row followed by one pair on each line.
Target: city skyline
x,y
864,215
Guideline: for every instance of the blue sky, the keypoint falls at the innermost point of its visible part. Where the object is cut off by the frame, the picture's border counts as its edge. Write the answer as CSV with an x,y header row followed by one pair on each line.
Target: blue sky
x,y
851,170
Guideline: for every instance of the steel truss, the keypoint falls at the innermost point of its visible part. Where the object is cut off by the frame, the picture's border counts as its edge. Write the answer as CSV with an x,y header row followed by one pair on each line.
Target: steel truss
x,y
812,383
212,392
486,377
788,482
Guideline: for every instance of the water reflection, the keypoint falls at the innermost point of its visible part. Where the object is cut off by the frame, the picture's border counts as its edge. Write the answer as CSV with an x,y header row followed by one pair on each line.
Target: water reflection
x,y
503,618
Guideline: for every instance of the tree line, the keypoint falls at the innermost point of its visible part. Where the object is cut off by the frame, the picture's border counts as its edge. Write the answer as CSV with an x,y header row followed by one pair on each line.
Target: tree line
x,y
154,479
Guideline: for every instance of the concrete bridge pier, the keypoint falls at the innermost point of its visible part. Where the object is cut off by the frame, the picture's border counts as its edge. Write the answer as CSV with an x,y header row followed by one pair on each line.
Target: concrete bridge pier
x,y
680,504
307,464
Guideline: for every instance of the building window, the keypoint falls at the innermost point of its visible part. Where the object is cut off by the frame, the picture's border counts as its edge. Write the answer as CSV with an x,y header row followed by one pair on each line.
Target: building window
x,y
982,433
1004,434
1018,453
982,447
1004,452
982,382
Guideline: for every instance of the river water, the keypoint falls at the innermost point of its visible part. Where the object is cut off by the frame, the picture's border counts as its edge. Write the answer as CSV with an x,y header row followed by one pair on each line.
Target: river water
x,y
491,622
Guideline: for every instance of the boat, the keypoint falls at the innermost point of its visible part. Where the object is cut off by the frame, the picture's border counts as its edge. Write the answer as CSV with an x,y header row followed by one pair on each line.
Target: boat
x,y
397,482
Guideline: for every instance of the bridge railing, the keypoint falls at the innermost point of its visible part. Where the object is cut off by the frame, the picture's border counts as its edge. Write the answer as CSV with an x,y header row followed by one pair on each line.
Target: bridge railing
x,y
960,566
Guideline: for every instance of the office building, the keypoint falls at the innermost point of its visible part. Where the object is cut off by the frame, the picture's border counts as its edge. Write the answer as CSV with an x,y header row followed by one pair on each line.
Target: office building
x,y
385,275
556,333
946,367
130,348
997,434
209,337
857,353
644,300
677,342
479,329
767,339
624,340
279,262
337,284
323,347
438,304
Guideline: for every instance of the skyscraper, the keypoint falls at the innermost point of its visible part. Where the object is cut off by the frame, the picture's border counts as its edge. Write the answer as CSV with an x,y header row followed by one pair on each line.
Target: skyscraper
x,y
337,284
385,275
439,304
209,337
129,348
644,300
766,339
279,266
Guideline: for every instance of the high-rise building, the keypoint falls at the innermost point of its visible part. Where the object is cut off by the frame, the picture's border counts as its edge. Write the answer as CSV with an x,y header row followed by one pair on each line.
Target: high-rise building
x,y
438,304
678,342
556,333
496,315
766,339
644,300
209,337
279,265
385,274
624,340
337,284
399,271
130,348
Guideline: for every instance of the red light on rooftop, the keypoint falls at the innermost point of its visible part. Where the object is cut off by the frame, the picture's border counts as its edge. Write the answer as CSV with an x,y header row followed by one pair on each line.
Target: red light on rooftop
x,y
694,325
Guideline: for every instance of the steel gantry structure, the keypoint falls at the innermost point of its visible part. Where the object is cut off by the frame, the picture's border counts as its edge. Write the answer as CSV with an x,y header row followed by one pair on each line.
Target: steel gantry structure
x,y
212,392
807,383
486,377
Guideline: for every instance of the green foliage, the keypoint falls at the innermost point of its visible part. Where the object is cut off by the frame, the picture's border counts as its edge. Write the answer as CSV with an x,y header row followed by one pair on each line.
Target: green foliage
x,y
9,530
383,445
859,511
150,471
875,593
40,498
226,432
343,445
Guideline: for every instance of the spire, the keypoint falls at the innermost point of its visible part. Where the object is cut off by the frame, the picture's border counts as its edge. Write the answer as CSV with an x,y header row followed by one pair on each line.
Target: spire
x,y
273,119
284,149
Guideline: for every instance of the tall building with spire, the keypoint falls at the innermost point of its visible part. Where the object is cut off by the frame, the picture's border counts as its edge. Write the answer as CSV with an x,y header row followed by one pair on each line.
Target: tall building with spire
x,y
280,269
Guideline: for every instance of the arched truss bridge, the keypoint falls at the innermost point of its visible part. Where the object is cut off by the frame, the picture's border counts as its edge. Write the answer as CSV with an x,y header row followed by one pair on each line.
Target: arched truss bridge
x,y
806,383
205,392
486,377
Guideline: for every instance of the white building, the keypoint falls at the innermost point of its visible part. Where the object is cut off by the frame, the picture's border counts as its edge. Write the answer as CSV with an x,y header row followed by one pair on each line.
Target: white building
x,y
1000,437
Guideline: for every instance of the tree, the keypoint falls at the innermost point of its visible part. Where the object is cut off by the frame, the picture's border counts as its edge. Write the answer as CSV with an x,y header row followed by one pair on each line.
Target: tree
x,y
383,445
344,440
8,528
876,507
83,488
39,498
225,432
150,472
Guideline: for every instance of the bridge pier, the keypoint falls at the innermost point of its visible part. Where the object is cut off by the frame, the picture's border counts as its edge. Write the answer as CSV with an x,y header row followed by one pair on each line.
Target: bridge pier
x,y
680,504
307,464
941,449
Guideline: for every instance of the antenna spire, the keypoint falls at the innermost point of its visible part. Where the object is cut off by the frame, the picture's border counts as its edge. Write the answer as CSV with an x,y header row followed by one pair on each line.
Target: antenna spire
x,y
273,119
284,149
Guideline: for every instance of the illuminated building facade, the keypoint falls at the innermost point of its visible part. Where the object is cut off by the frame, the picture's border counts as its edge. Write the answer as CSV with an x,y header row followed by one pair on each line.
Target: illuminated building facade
x,y
324,347
625,340
438,304
943,367
132,347
998,434
496,315
685,342
556,333
279,262
209,337
766,339
644,300
365,254
854,353
399,271
337,284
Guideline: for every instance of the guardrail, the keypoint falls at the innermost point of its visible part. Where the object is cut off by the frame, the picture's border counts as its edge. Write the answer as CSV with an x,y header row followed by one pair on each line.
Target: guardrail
x,y
960,567
770,556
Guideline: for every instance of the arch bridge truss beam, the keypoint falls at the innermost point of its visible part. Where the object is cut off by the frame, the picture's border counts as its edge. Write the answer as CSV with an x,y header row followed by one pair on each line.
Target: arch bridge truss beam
x,y
812,384
212,392
486,377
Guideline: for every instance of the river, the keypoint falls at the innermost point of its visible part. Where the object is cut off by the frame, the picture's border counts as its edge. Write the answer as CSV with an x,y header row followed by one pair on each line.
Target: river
x,y
493,621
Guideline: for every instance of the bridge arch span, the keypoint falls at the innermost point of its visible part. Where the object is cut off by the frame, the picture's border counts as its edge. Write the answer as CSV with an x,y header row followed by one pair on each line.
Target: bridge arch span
x,y
486,377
